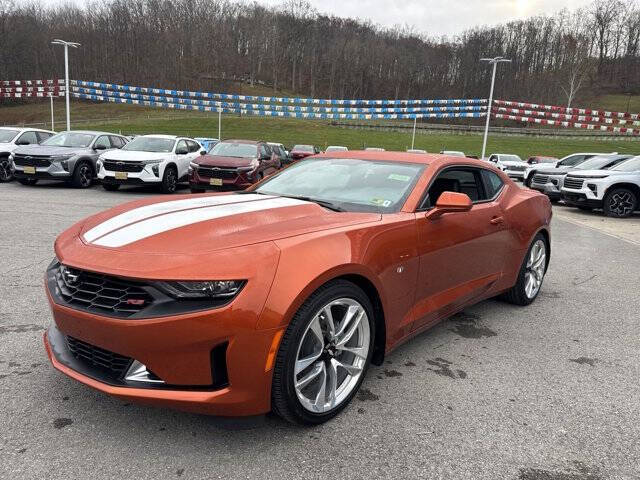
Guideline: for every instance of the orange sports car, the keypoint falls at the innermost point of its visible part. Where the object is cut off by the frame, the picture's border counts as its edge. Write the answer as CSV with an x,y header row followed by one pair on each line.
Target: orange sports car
x,y
279,297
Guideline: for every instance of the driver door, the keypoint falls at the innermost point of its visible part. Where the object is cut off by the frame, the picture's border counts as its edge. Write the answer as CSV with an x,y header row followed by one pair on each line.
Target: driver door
x,y
460,254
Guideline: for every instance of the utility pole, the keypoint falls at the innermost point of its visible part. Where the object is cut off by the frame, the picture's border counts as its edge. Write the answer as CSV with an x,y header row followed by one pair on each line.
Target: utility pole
x,y
413,139
494,62
67,87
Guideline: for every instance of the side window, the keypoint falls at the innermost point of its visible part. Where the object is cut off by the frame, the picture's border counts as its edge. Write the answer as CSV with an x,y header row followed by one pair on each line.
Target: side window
x,y
117,142
42,136
103,140
28,137
193,146
492,183
463,180
182,145
265,151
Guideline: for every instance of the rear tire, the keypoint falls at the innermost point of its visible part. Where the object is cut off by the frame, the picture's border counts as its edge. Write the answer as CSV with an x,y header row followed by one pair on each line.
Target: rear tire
x,y
317,372
82,175
28,181
169,180
6,174
110,187
531,275
620,203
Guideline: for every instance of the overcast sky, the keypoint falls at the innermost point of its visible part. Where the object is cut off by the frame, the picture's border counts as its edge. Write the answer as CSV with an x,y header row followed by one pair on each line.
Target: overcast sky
x,y
439,17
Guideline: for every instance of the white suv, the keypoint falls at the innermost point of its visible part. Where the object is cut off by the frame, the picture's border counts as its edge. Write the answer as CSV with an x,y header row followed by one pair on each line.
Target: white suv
x,y
615,190
510,164
12,138
149,159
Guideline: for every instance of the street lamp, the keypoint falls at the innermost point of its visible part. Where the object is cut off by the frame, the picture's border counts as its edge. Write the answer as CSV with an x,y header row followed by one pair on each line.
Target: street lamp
x,y
495,62
66,73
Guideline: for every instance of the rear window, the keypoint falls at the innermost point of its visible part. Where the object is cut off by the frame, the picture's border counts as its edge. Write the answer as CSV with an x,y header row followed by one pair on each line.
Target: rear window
x,y
239,150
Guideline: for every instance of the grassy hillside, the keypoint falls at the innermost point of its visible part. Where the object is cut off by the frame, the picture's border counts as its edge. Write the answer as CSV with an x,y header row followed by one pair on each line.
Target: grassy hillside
x,y
132,119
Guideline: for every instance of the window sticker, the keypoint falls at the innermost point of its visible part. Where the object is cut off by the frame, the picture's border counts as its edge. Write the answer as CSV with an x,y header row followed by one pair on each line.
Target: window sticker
x,y
400,178
381,202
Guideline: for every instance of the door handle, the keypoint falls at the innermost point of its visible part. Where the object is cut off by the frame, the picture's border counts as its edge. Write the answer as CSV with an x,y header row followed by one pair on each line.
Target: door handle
x,y
496,220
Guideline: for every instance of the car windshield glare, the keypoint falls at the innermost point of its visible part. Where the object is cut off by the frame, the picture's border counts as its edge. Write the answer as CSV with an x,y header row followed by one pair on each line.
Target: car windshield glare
x,y
631,165
240,150
150,144
70,139
352,185
303,148
596,163
7,135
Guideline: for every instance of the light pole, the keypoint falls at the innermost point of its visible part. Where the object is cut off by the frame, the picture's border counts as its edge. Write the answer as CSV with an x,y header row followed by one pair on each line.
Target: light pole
x,y
51,97
413,138
495,62
66,44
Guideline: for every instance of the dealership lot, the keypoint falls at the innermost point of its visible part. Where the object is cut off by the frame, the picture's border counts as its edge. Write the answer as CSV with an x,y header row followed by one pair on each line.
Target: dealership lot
x,y
546,392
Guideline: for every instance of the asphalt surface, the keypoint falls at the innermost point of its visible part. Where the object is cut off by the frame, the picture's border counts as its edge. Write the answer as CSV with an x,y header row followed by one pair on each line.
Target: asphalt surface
x,y
548,392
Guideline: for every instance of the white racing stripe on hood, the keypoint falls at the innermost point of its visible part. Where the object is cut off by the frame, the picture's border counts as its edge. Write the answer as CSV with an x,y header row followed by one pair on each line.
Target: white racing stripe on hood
x,y
169,221
143,213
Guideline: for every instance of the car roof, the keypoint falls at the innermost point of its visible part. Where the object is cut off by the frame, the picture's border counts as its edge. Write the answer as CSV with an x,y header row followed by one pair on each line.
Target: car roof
x,y
250,142
31,129
93,132
404,157
168,137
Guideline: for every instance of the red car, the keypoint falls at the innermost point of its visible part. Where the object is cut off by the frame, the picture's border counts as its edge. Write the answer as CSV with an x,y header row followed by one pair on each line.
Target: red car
x,y
298,152
279,297
232,163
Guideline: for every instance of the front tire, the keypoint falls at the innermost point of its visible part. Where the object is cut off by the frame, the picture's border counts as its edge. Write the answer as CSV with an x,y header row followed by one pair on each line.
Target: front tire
x,y
620,203
531,275
6,173
324,354
82,175
169,180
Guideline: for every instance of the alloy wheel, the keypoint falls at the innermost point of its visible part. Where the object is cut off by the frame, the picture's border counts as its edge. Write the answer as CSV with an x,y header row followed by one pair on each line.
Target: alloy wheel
x,y
621,203
534,272
332,355
86,174
171,180
5,170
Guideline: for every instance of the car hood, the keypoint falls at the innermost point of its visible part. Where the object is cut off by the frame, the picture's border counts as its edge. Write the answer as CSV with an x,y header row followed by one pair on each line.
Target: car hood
x,y
595,173
133,156
221,161
512,163
50,150
6,146
151,232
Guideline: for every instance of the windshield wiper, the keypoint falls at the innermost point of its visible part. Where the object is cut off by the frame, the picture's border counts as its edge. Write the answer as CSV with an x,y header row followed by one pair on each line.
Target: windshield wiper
x,y
322,203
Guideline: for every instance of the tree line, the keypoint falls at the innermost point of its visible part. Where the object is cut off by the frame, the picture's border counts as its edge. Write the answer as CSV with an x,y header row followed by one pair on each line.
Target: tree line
x,y
212,44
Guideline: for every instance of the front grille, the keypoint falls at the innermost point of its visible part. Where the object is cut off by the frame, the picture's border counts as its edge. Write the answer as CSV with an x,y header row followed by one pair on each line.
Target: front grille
x,y
517,168
100,293
540,179
113,166
113,364
215,172
31,160
573,183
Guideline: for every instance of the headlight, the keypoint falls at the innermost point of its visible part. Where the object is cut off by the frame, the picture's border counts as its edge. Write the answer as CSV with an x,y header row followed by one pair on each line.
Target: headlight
x,y
218,289
597,176
193,165
60,158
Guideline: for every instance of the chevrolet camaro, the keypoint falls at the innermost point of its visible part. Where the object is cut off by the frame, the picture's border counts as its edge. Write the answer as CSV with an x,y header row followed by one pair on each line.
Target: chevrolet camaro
x,y
279,297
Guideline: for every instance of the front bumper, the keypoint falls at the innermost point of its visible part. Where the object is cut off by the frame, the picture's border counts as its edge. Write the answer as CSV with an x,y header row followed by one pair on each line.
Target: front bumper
x,y
178,349
582,197
133,178
240,180
52,172
517,174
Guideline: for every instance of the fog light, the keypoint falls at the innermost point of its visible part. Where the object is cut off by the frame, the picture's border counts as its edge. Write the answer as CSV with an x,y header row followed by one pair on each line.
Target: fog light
x,y
138,372
65,164
554,182
156,170
593,188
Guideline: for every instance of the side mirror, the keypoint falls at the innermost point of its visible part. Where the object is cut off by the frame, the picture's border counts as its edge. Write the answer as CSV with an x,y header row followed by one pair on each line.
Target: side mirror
x,y
23,142
450,202
182,151
100,147
203,152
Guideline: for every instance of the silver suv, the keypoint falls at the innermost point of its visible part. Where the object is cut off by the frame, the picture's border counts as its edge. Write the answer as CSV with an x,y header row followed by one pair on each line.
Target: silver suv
x,y
69,156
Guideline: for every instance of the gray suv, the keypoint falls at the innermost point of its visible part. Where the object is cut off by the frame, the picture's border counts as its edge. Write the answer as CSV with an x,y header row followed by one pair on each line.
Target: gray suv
x,y
69,156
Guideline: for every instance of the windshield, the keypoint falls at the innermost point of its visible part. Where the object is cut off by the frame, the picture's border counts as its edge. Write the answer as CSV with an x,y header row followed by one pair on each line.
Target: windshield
x,y
70,139
239,150
353,185
336,149
597,163
7,135
573,160
150,144
631,165
303,148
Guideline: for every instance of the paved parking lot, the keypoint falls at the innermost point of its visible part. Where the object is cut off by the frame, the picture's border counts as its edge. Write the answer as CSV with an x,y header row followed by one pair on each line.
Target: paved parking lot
x,y
548,392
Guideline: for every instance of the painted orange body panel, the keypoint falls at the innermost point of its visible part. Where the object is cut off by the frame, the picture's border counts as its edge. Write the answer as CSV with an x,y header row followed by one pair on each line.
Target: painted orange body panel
x,y
422,270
